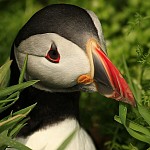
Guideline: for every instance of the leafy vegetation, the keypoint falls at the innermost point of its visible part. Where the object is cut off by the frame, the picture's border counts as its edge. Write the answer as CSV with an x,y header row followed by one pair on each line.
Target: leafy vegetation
x,y
127,33
10,125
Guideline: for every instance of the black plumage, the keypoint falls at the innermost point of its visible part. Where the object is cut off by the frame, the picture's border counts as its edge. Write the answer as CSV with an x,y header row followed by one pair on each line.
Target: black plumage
x,y
68,21
51,108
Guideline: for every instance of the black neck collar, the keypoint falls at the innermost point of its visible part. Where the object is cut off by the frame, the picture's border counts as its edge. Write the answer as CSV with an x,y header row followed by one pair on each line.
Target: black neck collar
x,y
51,108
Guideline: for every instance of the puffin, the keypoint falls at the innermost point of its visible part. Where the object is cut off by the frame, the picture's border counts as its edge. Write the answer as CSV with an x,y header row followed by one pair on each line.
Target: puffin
x,y
67,54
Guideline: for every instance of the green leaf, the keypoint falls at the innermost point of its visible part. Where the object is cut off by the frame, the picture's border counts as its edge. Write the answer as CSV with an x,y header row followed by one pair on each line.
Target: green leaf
x,y
128,74
122,113
5,73
7,106
5,125
5,140
23,70
14,88
67,140
6,101
27,109
17,116
134,126
136,91
17,127
145,113
14,95
138,134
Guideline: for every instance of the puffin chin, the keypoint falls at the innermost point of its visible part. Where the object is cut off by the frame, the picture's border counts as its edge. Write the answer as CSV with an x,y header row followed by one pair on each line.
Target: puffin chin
x,y
77,87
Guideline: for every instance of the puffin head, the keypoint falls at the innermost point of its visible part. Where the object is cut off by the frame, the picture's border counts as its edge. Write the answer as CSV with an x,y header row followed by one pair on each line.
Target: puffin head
x,y
66,52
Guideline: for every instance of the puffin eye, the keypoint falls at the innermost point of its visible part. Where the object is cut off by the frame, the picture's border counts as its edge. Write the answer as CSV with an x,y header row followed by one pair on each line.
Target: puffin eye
x,y
53,54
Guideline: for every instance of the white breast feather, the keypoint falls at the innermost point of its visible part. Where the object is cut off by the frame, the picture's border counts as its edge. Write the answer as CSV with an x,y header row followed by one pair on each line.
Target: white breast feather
x,y
52,137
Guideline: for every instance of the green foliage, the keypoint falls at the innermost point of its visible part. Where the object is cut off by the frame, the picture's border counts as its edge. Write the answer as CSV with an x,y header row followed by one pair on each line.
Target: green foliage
x,y
138,130
4,74
67,140
10,125
137,120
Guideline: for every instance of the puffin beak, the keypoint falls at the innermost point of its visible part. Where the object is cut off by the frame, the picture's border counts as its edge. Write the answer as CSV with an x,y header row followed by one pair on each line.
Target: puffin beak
x,y
108,80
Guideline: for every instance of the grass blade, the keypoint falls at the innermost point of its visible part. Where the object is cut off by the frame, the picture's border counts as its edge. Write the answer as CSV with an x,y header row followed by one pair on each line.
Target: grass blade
x,y
145,113
134,126
21,78
67,140
128,75
139,136
5,73
14,88
5,125
4,140
17,127
17,117
123,113
6,101
14,95
22,111
7,106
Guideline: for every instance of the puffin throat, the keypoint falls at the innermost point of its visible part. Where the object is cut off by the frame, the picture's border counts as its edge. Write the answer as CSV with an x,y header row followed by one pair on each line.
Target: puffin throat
x,y
51,108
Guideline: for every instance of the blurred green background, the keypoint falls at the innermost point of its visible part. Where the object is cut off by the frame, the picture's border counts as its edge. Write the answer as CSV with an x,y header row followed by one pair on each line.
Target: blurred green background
x,y
126,28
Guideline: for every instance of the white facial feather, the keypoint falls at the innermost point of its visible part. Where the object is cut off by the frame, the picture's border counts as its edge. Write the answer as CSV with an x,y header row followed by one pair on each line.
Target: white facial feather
x,y
73,61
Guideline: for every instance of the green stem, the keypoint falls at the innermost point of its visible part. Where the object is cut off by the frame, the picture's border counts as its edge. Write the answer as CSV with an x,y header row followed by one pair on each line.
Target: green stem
x,y
114,138
142,72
